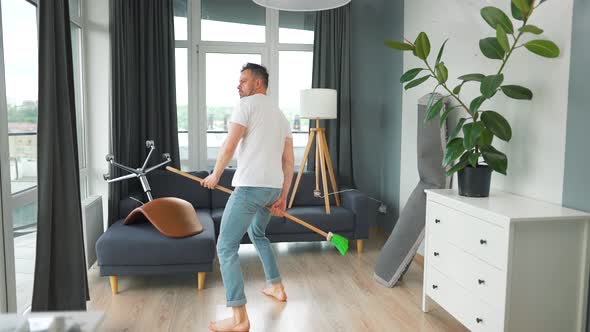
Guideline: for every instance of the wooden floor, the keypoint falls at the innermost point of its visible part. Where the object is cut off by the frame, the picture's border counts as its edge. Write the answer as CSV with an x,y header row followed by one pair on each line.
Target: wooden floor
x,y
327,292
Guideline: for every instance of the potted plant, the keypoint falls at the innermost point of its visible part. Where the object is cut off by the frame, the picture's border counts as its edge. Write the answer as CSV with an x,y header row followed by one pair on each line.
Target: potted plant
x,y
479,127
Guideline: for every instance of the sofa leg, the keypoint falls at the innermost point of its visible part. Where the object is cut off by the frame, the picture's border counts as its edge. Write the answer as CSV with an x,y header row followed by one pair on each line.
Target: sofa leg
x,y
114,284
201,280
359,246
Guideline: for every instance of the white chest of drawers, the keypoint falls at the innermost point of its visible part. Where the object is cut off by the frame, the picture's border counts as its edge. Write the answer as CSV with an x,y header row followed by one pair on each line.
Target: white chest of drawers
x,y
506,262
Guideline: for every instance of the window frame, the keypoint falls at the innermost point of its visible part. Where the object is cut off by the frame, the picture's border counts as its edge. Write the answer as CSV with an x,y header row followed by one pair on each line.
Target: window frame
x,y
197,49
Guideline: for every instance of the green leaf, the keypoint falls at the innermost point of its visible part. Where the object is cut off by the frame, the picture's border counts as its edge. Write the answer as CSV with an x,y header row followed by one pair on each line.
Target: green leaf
x,y
471,133
416,82
434,110
490,84
490,47
545,48
497,124
410,74
453,151
442,73
531,29
502,38
459,166
457,128
399,46
476,104
516,13
457,89
517,92
446,113
422,46
524,6
472,77
496,17
473,159
440,52
485,138
495,159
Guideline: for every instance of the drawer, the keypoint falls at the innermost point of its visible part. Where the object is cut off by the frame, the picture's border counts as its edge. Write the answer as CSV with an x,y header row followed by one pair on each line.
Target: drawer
x,y
473,313
480,238
483,280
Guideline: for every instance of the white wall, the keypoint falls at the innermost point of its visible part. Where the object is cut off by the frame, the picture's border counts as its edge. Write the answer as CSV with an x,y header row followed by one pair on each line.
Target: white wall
x,y
97,57
537,149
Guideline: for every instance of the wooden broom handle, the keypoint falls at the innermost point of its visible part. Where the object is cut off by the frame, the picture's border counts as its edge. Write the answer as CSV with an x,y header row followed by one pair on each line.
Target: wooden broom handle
x,y
229,191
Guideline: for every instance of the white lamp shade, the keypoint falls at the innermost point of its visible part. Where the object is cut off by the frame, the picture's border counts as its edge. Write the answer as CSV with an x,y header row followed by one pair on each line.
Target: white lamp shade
x,y
302,5
319,104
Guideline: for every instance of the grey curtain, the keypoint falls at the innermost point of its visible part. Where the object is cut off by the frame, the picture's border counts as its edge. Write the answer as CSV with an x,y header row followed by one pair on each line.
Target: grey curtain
x,y
60,267
143,88
331,69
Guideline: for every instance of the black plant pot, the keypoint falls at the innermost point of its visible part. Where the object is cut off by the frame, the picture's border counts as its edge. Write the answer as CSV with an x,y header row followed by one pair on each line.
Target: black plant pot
x,y
475,181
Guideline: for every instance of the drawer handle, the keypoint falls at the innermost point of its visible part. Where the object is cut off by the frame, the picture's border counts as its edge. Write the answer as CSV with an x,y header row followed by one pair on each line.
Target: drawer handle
x,y
479,320
481,281
436,253
434,286
482,242
437,221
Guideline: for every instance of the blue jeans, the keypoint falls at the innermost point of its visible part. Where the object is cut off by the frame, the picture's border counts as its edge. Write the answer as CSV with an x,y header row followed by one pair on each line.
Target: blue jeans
x,y
245,211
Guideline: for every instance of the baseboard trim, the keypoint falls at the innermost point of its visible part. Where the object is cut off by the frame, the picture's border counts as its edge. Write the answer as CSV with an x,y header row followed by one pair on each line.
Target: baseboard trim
x,y
419,259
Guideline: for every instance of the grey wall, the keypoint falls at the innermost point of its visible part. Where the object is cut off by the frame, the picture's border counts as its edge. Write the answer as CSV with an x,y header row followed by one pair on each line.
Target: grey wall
x,y
576,182
377,102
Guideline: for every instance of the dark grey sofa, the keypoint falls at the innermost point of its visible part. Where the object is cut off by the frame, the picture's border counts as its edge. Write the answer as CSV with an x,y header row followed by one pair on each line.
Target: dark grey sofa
x,y
141,249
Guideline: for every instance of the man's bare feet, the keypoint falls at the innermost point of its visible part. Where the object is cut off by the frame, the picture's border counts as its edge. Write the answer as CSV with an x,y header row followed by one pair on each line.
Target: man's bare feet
x,y
238,323
277,291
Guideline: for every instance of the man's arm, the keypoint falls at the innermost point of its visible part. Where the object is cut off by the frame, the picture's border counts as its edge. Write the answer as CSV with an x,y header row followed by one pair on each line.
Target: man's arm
x,y
288,160
234,135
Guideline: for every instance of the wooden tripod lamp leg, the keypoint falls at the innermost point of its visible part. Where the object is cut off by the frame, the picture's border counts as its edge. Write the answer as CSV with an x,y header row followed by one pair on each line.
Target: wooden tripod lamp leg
x,y
302,167
330,168
317,164
320,139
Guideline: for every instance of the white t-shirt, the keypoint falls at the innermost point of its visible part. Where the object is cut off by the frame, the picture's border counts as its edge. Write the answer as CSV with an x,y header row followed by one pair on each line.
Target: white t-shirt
x,y
261,149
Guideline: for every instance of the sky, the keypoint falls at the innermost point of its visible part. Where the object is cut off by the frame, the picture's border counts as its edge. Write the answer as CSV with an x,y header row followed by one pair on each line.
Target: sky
x,y
19,32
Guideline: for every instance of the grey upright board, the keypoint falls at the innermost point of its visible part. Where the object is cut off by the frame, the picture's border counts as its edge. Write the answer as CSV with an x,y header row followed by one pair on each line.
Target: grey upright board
x,y
399,250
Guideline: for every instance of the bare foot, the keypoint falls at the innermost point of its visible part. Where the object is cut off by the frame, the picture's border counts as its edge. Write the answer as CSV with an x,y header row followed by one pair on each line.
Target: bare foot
x,y
277,291
230,325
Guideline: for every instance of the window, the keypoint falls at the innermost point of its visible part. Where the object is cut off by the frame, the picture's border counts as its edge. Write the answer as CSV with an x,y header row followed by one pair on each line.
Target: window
x,y
296,27
294,75
221,96
182,79
214,39
232,21
296,35
19,20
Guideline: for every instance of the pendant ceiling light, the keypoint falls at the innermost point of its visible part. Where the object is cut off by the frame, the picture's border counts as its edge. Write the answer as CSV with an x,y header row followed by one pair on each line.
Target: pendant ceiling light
x,y
302,5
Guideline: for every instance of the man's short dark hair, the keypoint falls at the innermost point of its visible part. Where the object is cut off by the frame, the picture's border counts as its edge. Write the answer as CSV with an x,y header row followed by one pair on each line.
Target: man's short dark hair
x,y
258,71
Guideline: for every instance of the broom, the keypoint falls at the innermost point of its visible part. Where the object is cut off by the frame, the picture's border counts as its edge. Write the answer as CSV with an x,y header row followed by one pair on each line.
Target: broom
x,y
340,242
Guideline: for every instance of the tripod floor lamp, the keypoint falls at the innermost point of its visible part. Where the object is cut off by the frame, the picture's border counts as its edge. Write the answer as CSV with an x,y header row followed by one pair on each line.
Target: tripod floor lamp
x,y
318,104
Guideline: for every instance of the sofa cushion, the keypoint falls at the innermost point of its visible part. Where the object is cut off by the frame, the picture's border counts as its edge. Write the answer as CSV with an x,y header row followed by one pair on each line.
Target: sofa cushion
x,y
143,244
168,184
274,225
304,195
218,197
340,219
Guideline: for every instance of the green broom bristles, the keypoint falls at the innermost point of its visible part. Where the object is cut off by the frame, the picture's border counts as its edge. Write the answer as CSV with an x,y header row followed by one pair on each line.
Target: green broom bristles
x,y
340,242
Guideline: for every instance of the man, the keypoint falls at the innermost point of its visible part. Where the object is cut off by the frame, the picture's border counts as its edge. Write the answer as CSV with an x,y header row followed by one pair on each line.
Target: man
x,y
263,178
